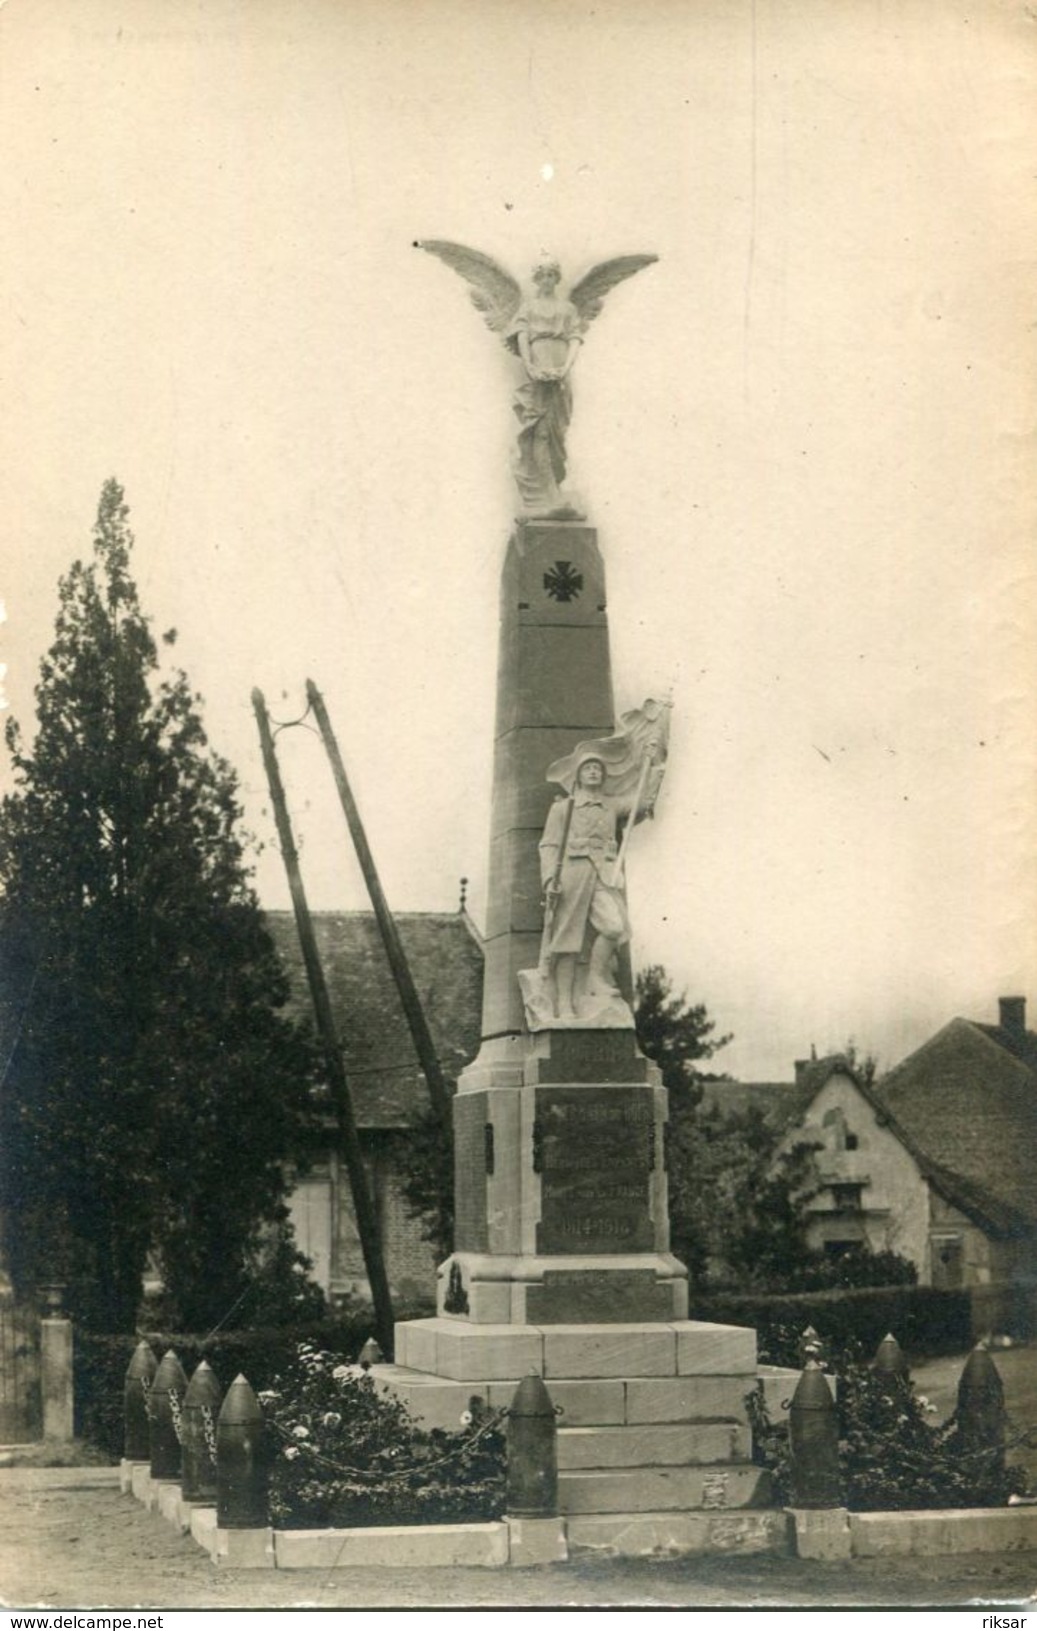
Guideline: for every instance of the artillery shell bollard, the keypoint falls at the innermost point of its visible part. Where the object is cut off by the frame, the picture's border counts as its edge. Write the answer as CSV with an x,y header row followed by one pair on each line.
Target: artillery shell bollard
x,y
167,1390
814,1442
198,1415
532,1452
241,1467
139,1376
536,1534
890,1364
981,1405
370,1354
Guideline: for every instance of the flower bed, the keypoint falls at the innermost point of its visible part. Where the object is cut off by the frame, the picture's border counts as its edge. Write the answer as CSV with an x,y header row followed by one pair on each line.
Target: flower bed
x,y
344,1455
893,1457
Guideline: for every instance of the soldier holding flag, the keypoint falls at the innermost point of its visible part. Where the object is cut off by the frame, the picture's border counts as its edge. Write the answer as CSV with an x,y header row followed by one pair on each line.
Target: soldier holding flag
x,y
610,784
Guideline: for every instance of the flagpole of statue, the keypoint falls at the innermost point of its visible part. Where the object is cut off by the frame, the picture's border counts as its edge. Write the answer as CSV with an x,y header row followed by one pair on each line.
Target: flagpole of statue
x,y
561,1263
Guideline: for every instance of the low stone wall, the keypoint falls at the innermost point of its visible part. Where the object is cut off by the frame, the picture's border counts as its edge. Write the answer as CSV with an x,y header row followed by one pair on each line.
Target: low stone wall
x,y
825,1535
829,1534
518,1542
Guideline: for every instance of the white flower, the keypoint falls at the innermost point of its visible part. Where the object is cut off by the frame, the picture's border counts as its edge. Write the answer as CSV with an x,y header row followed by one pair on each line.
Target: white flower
x,y
290,1453
466,1418
300,1431
340,1372
332,1419
268,1396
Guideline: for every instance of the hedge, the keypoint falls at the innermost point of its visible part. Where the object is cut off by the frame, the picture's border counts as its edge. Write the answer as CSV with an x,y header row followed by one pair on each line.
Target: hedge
x,y
924,1320
100,1361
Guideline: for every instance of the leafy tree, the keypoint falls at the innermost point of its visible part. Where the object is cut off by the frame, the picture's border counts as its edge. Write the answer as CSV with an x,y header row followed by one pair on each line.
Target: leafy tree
x,y
738,1213
153,1089
674,1034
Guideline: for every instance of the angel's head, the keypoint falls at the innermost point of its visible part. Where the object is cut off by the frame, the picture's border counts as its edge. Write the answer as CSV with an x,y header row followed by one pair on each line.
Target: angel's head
x,y
547,274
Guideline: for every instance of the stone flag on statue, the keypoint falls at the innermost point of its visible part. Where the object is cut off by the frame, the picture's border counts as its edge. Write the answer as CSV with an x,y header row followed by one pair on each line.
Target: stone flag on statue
x,y
642,738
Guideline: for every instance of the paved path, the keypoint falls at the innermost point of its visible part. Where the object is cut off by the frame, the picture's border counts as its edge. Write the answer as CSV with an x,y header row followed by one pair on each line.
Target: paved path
x,y
69,1539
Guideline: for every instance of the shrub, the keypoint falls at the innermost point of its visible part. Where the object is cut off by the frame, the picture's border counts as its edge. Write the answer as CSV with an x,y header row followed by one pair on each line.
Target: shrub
x,y
852,1269
892,1457
345,1455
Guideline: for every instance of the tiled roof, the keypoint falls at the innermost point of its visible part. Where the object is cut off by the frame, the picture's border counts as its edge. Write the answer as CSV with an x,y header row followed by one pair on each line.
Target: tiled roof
x,y
967,1100
446,964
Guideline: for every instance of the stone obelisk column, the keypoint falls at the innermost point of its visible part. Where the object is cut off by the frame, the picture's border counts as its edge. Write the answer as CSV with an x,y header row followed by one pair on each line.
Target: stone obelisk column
x,y
559,1162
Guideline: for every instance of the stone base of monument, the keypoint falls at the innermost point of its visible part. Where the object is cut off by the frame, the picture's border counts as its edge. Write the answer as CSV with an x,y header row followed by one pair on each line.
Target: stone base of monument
x,y
537,1290
653,1437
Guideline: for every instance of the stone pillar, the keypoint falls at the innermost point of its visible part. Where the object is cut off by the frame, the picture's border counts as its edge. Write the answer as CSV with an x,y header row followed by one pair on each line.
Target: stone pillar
x,y
554,688
560,1188
56,1378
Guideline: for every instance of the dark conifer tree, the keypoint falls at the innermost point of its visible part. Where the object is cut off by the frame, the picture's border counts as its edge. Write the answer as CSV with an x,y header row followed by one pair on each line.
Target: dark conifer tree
x,y
153,1089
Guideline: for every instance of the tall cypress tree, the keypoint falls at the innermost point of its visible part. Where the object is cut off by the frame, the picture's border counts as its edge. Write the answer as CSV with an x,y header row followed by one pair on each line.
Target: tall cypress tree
x,y
153,1089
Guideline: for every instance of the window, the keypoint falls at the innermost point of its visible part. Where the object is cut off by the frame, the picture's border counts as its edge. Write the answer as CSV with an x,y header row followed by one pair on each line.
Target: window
x,y
852,1141
836,1248
846,1197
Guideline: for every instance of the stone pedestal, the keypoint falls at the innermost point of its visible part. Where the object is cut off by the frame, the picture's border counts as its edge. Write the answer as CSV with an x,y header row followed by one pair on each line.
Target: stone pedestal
x,y
561,1188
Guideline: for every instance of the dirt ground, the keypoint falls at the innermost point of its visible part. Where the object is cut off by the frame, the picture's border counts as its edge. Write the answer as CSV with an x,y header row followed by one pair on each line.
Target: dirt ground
x,y
69,1539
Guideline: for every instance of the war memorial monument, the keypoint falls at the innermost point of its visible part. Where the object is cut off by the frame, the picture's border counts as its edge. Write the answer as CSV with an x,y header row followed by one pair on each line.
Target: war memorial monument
x,y
561,1264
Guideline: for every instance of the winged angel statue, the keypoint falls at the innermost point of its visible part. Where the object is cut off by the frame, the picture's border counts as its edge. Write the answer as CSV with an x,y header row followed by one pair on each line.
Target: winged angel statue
x,y
545,331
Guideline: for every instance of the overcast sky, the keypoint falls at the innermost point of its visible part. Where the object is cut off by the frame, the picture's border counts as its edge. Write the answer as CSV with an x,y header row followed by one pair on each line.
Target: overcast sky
x,y
805,437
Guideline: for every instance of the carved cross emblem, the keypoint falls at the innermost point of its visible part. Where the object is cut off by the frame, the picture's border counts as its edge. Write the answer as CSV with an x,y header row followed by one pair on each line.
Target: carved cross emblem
x,y
563,582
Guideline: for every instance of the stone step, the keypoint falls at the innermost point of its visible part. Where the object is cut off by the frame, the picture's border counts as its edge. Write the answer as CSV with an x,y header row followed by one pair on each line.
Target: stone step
x,y
583,1402
675,1534
460,1351
648,1445
662,1489
686,1398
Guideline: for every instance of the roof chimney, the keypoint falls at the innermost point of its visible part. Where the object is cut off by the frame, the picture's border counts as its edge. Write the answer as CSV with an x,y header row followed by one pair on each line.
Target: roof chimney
x,y
1013,1014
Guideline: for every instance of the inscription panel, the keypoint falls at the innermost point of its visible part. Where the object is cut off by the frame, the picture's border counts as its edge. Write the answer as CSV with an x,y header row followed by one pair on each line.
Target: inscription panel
x,y
592,1057
598,1297
471,1226
594,1150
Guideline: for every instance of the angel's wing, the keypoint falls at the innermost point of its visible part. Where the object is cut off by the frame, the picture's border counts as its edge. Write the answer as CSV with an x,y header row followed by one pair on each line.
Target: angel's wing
x,y
587,295
494,292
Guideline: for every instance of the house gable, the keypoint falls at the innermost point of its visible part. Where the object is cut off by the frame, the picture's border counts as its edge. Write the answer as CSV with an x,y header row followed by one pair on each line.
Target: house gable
x,y
871,1188
970,1103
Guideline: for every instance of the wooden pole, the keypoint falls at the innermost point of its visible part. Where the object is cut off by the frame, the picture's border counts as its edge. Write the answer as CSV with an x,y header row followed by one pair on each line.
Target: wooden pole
x,y
415,1014
363,1205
